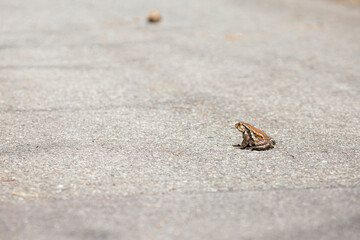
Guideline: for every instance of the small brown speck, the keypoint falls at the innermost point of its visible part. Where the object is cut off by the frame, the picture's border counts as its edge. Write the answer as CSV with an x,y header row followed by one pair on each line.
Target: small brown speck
x,y
154,16
232,37
21,194
7,179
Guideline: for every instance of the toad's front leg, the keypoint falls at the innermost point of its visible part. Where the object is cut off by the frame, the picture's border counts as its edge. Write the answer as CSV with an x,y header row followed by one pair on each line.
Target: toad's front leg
x,y
244,143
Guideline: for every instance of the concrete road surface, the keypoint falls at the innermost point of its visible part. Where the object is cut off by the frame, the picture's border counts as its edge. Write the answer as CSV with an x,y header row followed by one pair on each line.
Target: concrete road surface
x,y
114,128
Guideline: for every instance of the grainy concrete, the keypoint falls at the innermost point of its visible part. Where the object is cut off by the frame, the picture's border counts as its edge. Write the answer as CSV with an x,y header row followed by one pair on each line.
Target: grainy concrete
x,y
115,128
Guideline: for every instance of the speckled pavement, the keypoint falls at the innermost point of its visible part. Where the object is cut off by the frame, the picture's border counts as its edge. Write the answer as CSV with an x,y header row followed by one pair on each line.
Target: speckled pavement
x,y
115,128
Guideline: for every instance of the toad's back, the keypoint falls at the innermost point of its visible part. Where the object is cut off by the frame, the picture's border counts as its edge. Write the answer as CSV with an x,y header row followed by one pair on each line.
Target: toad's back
x,y
256,132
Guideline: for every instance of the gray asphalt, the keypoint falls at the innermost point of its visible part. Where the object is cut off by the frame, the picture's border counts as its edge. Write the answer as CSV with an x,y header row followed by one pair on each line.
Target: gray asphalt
x,y
114,128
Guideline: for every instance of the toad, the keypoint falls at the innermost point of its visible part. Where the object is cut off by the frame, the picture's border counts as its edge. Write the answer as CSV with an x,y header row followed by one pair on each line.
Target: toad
x,y
253,138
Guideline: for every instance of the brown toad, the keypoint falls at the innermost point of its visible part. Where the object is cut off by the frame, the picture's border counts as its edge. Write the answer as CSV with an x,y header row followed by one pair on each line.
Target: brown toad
x,y
254,138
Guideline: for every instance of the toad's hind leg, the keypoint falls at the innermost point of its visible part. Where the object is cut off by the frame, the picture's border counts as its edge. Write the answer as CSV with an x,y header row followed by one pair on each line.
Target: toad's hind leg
x,y
262,147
